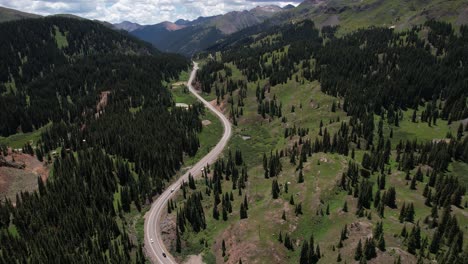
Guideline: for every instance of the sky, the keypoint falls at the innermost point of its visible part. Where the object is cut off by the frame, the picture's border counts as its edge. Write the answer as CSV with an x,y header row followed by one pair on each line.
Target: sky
x,y
139,11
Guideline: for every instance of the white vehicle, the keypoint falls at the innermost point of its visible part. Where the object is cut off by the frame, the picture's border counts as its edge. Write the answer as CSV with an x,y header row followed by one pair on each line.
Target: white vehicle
x,y
172,190
151,240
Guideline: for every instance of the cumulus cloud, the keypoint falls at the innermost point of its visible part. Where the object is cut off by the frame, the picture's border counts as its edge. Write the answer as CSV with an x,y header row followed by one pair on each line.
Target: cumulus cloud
x,y
139,11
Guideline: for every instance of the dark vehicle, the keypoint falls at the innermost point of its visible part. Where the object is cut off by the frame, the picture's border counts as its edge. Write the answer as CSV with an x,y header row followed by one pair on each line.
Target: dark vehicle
x,y
164,254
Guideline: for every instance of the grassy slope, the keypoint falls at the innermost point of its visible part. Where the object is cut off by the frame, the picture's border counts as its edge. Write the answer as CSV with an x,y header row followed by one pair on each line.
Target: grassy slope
x,y
258,234
401,14
20,139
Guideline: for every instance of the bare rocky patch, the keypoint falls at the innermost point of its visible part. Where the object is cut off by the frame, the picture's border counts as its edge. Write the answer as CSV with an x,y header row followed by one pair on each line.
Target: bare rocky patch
x,y
21,173
168,230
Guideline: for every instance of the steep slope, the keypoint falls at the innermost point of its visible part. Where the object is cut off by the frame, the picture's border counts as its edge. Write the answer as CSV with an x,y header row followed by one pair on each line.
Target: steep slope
x,y
400,14
348,14
7,14
35,48
112,121
188,37
186,41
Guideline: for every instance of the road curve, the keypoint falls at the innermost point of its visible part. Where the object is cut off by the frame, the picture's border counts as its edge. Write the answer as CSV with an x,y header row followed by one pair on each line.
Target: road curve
x,y
154,251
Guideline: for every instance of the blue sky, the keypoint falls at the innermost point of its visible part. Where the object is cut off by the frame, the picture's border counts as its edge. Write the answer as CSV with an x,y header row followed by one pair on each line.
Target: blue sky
x,y
140,11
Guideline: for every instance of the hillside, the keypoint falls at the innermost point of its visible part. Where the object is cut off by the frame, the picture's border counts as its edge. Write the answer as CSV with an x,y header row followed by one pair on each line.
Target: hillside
x,y
349,15
44,46
7,14
345,149
103,122
188,37
185,41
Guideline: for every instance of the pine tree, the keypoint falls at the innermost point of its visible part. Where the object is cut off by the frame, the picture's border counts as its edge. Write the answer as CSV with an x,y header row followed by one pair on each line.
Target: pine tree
x,y
358,253
215,212
243,212
178,241
275,189
191,182
169,207
402,216
225,214
345,207
414,240
301,177
338,259
223,248
304,259
419,175
404,233
435,243
369,249
413,183
409,215
246,204
381,243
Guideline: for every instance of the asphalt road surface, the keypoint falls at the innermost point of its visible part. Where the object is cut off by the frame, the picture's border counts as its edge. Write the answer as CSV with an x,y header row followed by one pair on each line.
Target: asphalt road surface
x,y
156,248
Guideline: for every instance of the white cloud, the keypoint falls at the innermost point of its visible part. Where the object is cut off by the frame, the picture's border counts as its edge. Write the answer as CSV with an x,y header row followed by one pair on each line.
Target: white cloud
x,y
140,11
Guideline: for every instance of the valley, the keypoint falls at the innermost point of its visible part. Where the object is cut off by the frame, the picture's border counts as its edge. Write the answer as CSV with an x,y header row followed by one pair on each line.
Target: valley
x,y
328,131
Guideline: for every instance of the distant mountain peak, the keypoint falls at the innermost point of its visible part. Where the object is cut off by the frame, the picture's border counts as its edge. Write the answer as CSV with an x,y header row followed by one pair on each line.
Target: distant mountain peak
x,y
181,22
313,2
267,8
287,7
127,26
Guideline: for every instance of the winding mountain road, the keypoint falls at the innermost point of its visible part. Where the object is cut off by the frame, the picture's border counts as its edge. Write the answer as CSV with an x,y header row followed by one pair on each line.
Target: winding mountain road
x,y
154,244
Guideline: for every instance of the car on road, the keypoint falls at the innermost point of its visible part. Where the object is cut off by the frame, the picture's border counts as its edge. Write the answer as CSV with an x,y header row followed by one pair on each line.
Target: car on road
x,y
172,190
151,240
164,254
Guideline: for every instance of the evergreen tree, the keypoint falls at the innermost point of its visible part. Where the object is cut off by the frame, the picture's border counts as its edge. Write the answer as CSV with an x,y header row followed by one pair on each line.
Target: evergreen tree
x,y
223,248
178,241
301,177
358,252
275,189
345,207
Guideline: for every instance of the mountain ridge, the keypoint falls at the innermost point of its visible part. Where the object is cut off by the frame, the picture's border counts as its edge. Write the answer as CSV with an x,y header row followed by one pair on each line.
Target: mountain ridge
x,y
8,14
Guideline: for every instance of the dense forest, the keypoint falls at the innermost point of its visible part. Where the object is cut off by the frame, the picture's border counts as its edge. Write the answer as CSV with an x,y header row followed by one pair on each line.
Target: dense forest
x,y
117,133
36,51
